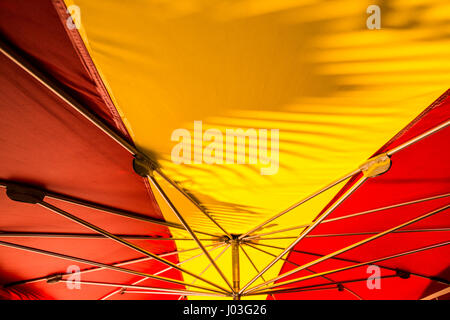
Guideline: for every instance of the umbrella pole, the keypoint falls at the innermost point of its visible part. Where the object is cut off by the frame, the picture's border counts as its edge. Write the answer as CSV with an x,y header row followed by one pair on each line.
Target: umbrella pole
x,y
235,266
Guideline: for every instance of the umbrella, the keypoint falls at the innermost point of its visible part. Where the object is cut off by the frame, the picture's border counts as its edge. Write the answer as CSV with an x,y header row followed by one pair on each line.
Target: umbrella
x,y
100,100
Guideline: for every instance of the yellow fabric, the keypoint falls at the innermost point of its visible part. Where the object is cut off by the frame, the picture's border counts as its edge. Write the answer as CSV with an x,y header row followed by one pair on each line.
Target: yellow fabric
x,y
335,90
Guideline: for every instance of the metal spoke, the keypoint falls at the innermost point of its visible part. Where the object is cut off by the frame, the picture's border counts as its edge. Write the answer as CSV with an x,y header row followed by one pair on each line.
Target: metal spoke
x,y
438,294
355,245
351,215
94,263
334,183
419,138
210,264
337,285
163,290
122,241
61,94
188,228
299,238
192,200
19,234
119,264
354,234
107,209
122,290
98,122
355,261
254,266
374,261
187,293
388,153
296,265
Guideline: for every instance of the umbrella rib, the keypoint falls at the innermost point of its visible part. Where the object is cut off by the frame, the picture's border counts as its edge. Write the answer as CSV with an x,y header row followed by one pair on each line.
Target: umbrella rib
x,y
354,234
120,240
106,209
94,263
355,261
192,200
186,293
373,262
337,283
310,228
89,270
19,234
355,245
256,293
168,291
437,294
418,138
188,228
357,184
254,266
98,122
295,264
122,290
252,263
209,265
61,94
388,153
352,215
119,212
54,88
313,195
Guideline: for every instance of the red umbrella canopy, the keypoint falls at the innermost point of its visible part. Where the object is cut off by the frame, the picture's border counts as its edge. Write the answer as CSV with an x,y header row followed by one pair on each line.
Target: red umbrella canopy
x,y
47,144
395,224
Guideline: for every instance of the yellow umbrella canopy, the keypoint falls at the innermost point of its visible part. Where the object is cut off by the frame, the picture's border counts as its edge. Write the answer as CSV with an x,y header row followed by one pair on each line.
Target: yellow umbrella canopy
x,y
334,89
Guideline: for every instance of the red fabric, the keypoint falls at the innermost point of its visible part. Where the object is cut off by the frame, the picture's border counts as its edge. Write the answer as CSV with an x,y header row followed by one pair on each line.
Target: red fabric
x,y
34,28
419,171
46,143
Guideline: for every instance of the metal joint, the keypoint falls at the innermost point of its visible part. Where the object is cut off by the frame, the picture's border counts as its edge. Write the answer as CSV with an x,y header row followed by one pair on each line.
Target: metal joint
x,y
55,278
143,166
24,193
403,274
376,166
